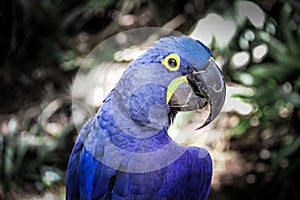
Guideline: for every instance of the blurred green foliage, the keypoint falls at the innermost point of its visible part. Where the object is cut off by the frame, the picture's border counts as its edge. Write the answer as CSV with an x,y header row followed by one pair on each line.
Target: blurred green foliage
x,y
32,151
268,139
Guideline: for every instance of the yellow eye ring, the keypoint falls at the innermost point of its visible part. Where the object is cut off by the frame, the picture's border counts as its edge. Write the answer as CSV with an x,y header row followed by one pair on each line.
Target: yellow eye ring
x,y
171,62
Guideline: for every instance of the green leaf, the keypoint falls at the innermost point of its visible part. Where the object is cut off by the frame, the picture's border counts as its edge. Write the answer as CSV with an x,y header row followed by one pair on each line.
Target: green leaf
x,y
279,50
270,70
285,152
287,32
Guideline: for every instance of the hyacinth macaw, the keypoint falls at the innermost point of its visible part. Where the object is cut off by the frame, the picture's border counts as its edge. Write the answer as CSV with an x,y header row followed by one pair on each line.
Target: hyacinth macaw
x,y
125,152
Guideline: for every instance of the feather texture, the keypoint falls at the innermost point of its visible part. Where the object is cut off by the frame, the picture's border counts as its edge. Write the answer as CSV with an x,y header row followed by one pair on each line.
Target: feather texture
x,y
125,152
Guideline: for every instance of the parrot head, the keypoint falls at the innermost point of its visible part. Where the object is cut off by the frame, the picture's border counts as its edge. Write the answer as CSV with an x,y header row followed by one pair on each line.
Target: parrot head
x,y
177,74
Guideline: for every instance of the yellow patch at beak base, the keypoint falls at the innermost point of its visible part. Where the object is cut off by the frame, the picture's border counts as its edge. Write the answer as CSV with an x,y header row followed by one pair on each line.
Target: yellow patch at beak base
x,y
172,87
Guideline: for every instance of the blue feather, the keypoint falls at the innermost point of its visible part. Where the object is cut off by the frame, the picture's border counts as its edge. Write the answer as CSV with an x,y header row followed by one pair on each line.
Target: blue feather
x,y
124,151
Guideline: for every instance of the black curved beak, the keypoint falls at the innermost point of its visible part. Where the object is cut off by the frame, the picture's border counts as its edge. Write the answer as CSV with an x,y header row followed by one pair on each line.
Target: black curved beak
x,y
202,88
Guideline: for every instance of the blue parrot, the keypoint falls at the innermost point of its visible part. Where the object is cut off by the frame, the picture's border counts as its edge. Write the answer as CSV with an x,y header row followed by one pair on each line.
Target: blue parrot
x,y
125,152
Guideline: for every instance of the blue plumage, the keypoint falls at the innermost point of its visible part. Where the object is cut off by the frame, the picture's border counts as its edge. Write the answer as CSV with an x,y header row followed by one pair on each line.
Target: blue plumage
x,y
124,151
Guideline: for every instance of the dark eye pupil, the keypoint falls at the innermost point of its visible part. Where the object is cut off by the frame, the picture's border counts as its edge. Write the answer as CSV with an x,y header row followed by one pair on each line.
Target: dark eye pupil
x,y
172,62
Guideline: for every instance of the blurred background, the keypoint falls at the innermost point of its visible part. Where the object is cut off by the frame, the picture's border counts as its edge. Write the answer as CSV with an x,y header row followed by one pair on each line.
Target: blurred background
x,y
255,143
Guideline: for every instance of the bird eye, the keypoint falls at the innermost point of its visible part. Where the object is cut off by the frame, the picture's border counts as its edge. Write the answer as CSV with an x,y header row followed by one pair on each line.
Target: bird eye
x,y
172,62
